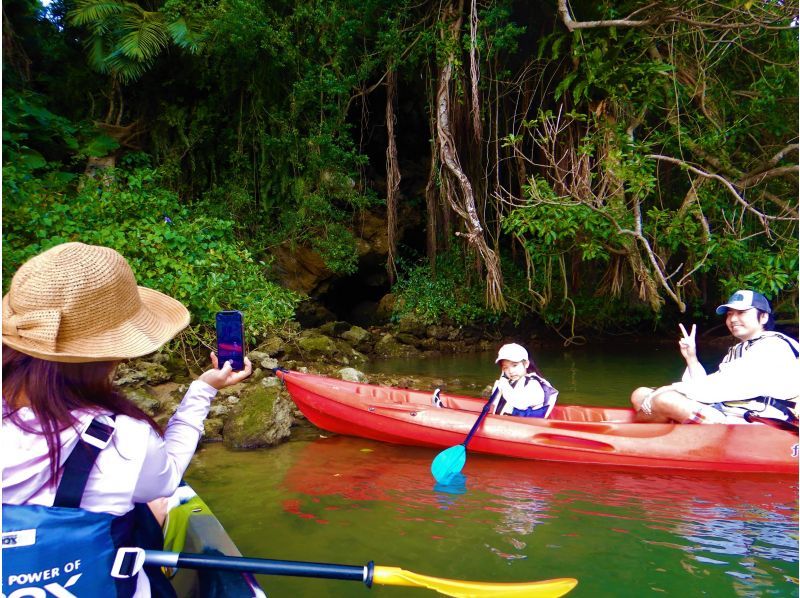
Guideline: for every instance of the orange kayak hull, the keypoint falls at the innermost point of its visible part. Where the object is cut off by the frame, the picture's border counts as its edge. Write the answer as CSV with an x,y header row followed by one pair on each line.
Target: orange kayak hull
x,y
572,433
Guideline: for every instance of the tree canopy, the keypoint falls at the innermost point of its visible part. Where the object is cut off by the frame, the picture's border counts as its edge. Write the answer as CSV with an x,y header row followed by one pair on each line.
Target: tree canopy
x,y
591,165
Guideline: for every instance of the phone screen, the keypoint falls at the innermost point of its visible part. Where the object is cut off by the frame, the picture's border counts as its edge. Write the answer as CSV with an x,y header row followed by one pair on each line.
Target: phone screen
x,y
230,338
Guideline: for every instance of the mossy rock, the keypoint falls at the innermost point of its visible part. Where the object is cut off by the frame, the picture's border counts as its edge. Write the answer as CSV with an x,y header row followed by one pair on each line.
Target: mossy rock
x,y
440,332
212,429
143,399
271,346
316,345
140,372
271,382
346,355
352,375
412,324
259,358
233,391
386,307
262,417
358,337
334,328
407,339
388,346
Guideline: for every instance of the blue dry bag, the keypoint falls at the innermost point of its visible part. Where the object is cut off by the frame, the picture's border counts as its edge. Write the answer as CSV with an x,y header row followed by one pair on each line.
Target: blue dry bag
x,y
64,550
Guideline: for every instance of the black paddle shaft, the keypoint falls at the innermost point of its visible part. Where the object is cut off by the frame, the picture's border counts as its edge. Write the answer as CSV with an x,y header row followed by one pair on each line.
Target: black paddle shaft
x,y
478,421
752,416
275,567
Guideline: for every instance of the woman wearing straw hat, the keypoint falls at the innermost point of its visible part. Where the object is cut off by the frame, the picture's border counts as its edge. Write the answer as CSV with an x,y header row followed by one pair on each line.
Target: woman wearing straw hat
x,y
71,315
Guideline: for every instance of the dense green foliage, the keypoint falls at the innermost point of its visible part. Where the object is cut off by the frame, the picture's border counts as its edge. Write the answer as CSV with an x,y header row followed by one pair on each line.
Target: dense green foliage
x,y
628,161
189,256
446,295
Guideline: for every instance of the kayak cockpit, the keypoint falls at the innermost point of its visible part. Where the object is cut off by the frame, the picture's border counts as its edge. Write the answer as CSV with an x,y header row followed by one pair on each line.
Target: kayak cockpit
x,y
578,413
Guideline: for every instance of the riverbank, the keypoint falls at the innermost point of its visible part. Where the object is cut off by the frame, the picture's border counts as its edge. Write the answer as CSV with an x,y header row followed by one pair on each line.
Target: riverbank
x,y
259,413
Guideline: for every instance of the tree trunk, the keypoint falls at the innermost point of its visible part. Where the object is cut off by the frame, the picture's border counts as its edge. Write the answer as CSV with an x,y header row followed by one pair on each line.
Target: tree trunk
x,y
458,191
392,176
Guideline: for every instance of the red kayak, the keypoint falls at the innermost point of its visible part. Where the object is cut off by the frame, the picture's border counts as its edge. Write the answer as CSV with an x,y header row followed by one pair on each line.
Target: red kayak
x,y
572,433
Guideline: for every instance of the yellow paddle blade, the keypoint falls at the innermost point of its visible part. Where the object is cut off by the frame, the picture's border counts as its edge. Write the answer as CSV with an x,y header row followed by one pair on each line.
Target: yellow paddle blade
x,y
394,576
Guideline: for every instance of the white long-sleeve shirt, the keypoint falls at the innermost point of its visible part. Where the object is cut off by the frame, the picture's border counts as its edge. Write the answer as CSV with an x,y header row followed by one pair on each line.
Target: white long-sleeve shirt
x,y
762,367
136,466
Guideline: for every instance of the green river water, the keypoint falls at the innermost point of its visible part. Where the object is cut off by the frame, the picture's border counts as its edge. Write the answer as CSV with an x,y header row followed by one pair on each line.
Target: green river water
x,y
327,498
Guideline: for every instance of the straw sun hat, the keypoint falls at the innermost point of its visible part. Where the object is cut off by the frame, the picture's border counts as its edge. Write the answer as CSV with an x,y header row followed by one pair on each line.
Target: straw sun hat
x,y
80,303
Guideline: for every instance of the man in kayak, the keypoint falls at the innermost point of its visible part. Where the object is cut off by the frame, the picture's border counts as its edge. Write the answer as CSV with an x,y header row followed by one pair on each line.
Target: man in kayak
x,y
759,376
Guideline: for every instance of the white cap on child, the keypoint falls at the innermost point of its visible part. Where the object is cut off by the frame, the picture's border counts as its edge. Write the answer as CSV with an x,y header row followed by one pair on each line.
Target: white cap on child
x,y
512,352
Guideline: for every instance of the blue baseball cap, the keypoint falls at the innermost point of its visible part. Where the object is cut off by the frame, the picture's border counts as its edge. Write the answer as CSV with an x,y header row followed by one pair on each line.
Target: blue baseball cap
x,y
744,300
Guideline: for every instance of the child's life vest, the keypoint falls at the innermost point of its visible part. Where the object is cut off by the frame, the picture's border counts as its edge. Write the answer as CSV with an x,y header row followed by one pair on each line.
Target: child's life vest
x,y
529,396
64,550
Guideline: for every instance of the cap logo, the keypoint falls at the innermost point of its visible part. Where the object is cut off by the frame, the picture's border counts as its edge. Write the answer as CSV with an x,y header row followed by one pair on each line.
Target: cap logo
x,y
736,297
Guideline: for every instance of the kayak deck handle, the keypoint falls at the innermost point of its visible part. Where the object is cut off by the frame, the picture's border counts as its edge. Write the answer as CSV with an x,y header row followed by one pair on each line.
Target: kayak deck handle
x,y
572,442
622,429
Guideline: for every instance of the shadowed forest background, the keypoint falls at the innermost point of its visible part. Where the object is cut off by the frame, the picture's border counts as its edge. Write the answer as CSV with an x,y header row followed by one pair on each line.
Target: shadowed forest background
x,y
582,168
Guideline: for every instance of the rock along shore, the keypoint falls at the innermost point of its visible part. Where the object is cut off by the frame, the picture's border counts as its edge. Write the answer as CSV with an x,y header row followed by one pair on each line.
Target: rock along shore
x,y
258,412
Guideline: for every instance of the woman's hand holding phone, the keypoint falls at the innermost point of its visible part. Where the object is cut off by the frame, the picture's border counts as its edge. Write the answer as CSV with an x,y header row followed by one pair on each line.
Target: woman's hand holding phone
x,y
230,337
225,376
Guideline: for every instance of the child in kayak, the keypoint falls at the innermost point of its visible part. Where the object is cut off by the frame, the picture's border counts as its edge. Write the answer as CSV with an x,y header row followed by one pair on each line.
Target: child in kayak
x,y
521,388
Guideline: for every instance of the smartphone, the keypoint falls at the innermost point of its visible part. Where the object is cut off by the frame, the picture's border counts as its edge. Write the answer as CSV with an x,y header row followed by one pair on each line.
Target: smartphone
x,y
230,338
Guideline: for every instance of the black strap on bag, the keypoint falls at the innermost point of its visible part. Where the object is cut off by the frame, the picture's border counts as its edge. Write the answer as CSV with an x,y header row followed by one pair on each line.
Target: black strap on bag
x,y
147,532
80,462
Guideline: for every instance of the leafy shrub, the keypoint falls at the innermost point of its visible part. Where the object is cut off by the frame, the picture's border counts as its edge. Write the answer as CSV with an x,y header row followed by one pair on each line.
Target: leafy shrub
x,y
34,136
444,295
194,258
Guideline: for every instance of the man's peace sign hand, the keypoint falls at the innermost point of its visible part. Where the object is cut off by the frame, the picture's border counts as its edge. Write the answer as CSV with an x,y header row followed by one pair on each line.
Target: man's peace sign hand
x,y
687,343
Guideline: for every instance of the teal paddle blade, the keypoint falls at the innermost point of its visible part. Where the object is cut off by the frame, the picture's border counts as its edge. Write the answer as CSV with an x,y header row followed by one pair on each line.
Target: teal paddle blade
x,y
448,463
456,485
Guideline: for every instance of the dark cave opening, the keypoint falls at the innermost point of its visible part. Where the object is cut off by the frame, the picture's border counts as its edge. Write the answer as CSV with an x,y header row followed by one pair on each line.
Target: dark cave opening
x,y
352,298
355,298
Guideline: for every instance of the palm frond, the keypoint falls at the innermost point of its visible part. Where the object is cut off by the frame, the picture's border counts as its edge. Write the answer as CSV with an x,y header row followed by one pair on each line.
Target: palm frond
x,y
92,12
143,39
97,54
125,69
185,36
124,38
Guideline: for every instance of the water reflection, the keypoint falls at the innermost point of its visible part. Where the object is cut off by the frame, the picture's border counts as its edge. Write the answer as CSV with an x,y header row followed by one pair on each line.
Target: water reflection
x,y
739,527
620,532
456,484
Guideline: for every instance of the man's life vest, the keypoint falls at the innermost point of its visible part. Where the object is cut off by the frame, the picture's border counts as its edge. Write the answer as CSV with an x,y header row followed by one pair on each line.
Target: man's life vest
x,y
769,407
63,550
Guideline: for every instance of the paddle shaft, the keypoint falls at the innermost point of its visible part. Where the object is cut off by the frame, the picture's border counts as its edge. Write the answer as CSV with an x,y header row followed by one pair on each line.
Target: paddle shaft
x,y
183,560
130,560
450,461
478,421
781,424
